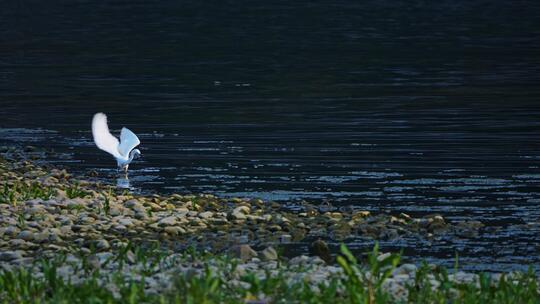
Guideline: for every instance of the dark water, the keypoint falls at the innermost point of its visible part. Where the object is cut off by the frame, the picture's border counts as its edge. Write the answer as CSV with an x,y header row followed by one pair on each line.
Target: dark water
x,y
400,106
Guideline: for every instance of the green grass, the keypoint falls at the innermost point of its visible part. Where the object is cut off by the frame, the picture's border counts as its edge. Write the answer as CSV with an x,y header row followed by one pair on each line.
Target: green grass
x,y
360,287
22,191
75,190
215,286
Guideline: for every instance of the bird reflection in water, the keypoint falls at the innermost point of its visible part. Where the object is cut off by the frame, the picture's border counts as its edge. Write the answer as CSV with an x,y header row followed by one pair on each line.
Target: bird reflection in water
x,y
122,182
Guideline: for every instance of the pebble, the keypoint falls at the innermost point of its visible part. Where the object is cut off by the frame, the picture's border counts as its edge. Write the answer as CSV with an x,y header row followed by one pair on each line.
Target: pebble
x,y
167,221
11,231
26,235
269,254
174,230
7,256
384,256
463,277
206,214
126,222
285,238
243,252
300,260
239,216
320,248
360,214
242,209
102,245
405,269
132,203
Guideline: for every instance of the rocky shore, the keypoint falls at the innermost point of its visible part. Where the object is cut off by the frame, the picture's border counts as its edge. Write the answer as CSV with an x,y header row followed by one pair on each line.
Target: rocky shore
x,y
84,227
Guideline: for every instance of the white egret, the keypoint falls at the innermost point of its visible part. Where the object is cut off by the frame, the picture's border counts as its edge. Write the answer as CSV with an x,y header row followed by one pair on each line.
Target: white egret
x,y
124,151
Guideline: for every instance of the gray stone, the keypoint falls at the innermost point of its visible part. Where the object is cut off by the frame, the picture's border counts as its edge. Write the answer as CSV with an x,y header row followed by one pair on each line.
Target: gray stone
x,y
285,238
135,206
409,269
383,256
243,252
300,260
464,277
11,231
167,221
242,209
401,278
320,249
26,235
269,254
239,216
102,245
174,230
114,211
126,222
206,214
132,203
8,256
34,202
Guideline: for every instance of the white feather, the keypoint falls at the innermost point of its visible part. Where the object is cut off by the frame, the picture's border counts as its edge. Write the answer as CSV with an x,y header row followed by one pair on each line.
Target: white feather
x,y
103,137
128,141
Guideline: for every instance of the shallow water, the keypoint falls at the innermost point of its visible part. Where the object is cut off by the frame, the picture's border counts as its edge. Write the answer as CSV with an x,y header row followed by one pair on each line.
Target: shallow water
x,y
382,105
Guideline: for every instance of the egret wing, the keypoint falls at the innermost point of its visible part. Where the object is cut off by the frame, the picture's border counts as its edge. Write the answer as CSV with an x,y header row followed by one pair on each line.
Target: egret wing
x,y
128,141
103,137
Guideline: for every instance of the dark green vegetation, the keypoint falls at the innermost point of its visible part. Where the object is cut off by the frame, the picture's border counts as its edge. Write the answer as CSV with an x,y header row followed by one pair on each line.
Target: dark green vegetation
x,y
360,283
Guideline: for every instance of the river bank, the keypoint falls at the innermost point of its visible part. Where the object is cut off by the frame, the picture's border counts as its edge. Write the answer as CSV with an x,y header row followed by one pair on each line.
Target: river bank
x,y
154,247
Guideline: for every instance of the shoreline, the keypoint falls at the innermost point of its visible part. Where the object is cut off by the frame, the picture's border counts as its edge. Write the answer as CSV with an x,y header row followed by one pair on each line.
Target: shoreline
x,y
88,229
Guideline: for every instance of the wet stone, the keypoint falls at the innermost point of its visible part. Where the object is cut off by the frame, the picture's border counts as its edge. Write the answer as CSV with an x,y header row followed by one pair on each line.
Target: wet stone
x,y
102,245
26,235
167,221
405,269
7,256
206,214
126,222
269,254
320,248
132,203
242,209
285,238
360,214
174,230
11,231
243,252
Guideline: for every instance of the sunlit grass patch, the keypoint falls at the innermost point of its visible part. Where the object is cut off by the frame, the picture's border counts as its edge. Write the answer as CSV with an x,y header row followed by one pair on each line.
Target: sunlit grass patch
x,y
75,190
13,193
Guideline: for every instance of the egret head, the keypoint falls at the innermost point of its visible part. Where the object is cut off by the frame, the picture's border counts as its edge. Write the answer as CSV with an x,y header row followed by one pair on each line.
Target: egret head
x,y
124,164
135,153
